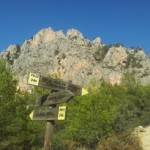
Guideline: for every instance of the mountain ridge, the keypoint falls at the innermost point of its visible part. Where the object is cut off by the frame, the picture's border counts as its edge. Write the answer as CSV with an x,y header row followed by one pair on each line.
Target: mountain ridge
x,y
71,56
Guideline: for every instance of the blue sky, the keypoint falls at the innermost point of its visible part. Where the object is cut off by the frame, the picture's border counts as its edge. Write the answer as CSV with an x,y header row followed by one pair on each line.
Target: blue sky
x,y
115,21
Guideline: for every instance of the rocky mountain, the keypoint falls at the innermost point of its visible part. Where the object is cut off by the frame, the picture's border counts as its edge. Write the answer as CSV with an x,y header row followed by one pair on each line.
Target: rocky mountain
x,y
73,57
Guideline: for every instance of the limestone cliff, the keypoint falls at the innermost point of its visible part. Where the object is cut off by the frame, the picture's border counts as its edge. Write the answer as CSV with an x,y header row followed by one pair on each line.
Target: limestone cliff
x,y
74,57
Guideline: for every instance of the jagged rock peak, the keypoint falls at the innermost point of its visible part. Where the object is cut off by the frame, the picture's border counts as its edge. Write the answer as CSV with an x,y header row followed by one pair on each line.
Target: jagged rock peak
x,y
12,52
74,57
73,33
46,35
97,41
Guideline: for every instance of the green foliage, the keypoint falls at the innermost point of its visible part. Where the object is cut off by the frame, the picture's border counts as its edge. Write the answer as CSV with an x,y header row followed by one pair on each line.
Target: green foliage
x,y
39,91
142,103
91,117
17,131
7,96
107,110
126,141
133,61
130,82
63,56
117,45
93,85
101,52
136,48
56,52
74,37
7,83
20,127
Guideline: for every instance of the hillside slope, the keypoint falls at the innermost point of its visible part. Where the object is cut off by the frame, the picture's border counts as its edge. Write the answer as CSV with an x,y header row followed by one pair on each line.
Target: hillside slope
x,y
74,57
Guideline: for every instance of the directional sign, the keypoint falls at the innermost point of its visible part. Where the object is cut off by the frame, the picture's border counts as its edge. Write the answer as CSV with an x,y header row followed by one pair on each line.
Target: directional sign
x,y
61,113
84,91
62,96
55,84
34,79
49,114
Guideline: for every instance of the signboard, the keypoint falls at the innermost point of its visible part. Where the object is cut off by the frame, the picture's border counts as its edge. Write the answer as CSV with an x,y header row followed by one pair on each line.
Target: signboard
x,y
49,114
34,79
61,113
46,114
62,96
84,91
55,84
63,92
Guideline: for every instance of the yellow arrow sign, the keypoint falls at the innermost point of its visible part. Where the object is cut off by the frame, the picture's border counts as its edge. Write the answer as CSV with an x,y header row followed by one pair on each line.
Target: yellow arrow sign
x,y
44,114
31,115
49,114
55,84
84,91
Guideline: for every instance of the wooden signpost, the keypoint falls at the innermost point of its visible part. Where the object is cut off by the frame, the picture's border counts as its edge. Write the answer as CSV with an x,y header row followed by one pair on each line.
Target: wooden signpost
x,y
49,114
64,91
55,84
62,96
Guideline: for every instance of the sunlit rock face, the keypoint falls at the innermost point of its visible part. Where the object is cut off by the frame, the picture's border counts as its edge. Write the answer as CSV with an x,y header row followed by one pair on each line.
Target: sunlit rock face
x,y
73,57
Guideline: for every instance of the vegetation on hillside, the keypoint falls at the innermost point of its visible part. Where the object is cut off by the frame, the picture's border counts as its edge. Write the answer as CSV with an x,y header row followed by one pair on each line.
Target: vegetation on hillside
x,y
103,119
17,131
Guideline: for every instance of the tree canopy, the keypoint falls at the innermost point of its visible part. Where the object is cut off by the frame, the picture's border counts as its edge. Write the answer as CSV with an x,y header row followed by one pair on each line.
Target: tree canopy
x,y
106,110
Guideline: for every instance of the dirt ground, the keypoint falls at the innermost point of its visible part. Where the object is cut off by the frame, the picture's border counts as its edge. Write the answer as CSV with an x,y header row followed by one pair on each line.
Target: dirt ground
x,y
145,138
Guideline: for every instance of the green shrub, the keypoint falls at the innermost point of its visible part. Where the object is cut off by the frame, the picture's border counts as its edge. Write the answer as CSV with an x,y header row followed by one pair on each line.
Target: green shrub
x,y
56,52
101,52
126,141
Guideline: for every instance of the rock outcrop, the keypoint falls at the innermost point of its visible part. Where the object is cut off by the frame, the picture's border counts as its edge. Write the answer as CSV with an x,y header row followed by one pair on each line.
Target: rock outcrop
x,y
74,57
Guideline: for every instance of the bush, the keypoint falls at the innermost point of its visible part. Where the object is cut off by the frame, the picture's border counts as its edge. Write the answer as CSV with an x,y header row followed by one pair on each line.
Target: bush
x,y
105,116
101,52
106,110
126,141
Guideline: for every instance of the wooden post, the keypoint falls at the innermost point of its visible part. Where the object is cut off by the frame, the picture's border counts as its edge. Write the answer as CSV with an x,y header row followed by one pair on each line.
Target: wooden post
x,y
49,132
68,90
49,135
